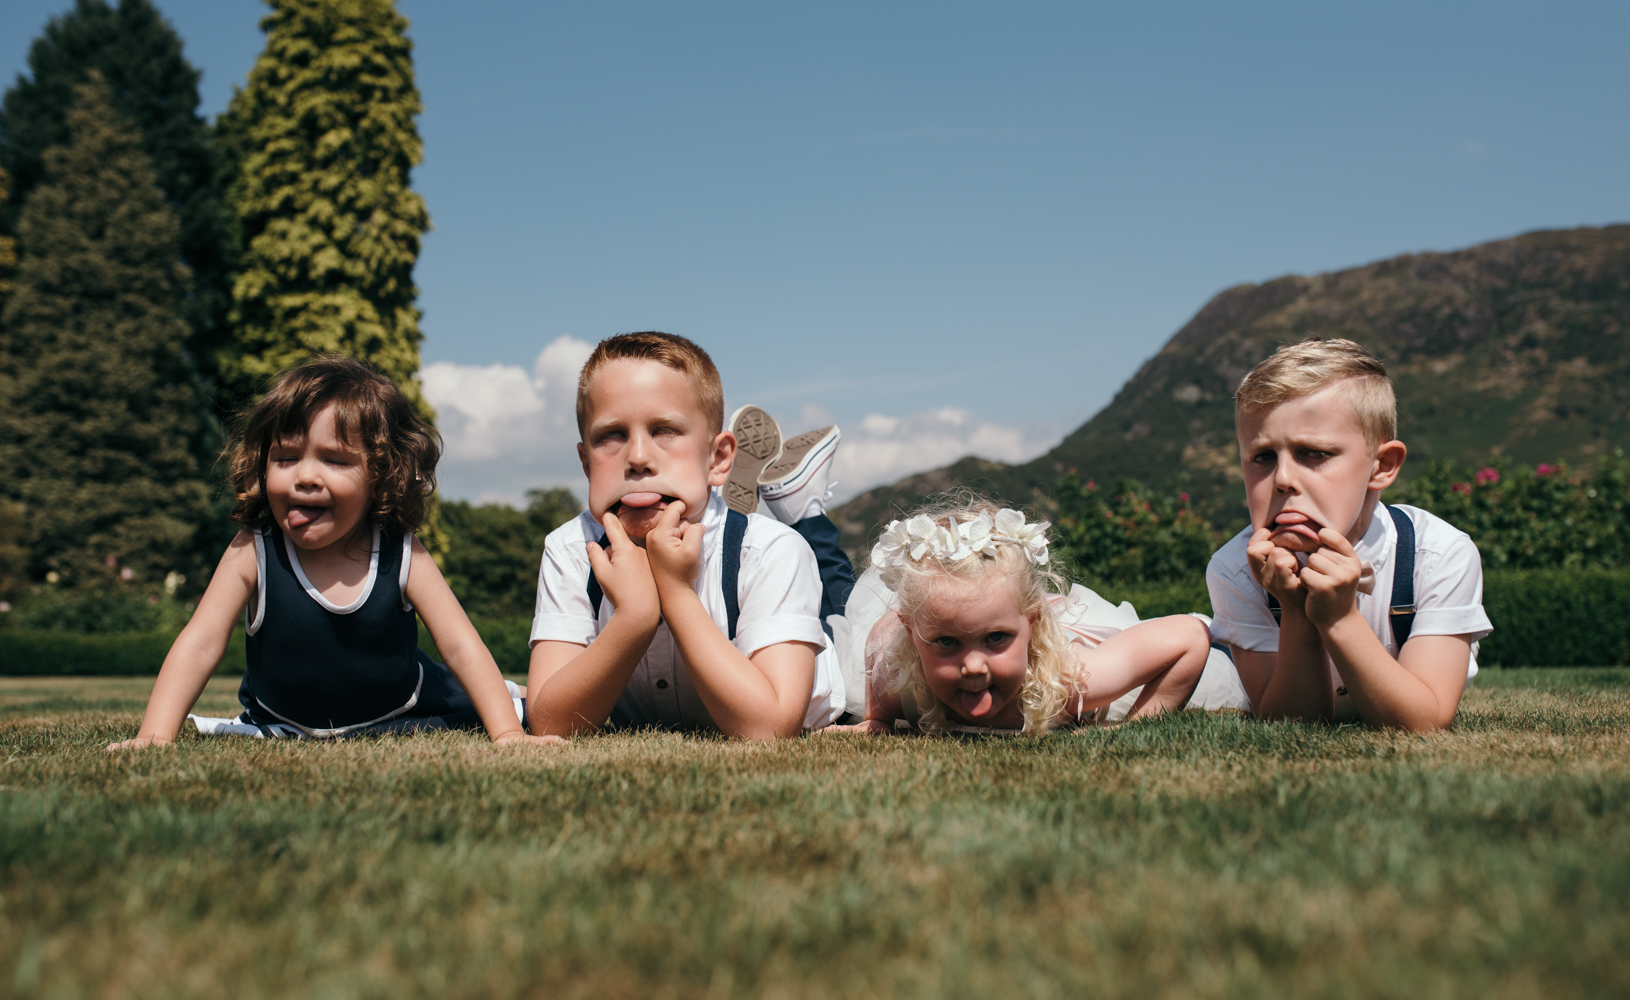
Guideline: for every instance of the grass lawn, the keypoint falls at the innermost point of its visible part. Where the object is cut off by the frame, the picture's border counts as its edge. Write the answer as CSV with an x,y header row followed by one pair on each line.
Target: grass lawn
x,y
1197,856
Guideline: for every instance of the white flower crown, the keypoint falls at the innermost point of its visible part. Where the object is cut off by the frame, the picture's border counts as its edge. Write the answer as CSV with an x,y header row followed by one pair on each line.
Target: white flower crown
x,y
920,537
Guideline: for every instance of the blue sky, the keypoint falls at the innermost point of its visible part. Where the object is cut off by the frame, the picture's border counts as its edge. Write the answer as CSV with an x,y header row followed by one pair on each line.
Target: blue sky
x,y
884,210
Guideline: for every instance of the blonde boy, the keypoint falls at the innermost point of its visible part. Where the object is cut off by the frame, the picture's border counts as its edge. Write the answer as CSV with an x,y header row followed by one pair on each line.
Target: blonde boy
x,y
657,637
1317,425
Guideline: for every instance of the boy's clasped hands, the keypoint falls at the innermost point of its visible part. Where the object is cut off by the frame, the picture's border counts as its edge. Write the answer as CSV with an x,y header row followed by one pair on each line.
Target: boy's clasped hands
x,y
1325,589
640,581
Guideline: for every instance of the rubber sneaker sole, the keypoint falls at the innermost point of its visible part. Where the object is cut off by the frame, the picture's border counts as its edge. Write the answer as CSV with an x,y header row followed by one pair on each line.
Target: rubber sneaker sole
x,y
758,443
792,453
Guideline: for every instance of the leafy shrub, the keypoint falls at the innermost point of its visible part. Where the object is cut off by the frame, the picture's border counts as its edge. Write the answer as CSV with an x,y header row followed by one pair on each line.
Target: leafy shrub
x,y
92,611
1129,535
1557,618
507,639
27,653
1539,518
493,551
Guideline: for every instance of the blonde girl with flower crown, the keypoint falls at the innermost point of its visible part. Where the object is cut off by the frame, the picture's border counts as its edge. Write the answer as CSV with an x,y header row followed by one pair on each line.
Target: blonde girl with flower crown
x,y
963,628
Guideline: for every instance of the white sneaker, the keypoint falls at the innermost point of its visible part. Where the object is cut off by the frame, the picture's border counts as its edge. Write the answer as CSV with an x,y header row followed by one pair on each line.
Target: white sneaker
x,y
758,444
795,486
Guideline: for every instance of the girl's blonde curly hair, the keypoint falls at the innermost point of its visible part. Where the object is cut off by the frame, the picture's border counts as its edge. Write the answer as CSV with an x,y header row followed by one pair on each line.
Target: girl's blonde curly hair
x,y
1048,672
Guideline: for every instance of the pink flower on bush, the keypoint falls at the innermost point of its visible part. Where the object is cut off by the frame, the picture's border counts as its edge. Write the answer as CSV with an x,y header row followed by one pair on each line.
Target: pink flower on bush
x,y
126,573
1183,497
1544,469
110,562
1091,485
1465,488
1487,476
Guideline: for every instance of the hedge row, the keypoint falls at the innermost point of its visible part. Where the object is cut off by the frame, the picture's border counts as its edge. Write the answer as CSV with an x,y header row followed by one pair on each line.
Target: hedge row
x,y
1542,618
25,653
74,654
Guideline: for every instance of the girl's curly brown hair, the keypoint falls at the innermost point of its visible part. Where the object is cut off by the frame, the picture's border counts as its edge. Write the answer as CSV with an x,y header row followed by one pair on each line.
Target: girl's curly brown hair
x,y
402,448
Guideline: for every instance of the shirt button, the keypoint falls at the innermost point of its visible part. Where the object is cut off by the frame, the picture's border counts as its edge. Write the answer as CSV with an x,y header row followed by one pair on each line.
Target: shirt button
x,y
1341,692
662,683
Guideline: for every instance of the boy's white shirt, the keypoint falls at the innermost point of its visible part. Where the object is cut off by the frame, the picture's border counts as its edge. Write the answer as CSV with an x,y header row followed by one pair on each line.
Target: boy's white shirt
x,y
1448,591
779,591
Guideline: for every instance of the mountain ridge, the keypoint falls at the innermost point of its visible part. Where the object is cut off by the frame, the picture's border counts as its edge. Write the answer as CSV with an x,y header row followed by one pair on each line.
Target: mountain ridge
x,y
1518,347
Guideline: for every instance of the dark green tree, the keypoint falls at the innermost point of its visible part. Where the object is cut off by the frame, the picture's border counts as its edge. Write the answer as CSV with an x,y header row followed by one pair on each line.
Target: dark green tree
x,y
493,551
97,401
320,145
155,89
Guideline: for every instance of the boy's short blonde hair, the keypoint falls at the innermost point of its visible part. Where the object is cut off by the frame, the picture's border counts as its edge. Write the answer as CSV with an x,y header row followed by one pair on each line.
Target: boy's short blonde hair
x,y
1297,370
682,355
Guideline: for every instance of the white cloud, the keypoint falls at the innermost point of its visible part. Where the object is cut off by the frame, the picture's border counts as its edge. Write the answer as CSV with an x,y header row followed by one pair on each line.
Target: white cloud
x,y
508,430
881,449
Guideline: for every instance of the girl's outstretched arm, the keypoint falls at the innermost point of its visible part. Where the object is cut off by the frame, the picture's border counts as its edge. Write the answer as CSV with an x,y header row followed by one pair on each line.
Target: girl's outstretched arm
x,y
198,649
467,656
882,708
1165,655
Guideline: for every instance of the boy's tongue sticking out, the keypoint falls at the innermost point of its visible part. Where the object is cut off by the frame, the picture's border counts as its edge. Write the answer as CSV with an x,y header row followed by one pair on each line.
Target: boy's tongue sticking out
x,y
1296,531
639,512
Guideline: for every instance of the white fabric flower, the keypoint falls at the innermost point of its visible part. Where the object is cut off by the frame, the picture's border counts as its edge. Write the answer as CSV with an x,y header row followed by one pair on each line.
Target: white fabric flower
x,y
976,534
890,549
1030,537
922,534
949,546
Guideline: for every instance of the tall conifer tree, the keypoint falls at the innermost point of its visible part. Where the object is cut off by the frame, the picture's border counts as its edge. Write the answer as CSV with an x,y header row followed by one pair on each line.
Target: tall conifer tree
x,y
155,89
321,143
98,405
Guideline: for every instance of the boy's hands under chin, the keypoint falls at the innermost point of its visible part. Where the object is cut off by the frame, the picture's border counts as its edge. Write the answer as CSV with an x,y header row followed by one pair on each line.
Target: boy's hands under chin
x,y
1330,579
675,550
1275,568
624,573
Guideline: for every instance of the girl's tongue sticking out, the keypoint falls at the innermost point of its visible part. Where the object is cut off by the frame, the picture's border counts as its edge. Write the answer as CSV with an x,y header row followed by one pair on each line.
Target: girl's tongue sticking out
x,y
299,517
973,704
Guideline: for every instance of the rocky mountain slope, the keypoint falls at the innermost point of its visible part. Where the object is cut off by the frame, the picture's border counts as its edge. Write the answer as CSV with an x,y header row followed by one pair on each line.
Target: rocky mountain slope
x,y
1519,347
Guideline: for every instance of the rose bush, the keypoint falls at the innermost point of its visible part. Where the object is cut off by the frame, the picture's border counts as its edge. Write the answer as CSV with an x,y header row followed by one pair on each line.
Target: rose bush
x,y
1545,517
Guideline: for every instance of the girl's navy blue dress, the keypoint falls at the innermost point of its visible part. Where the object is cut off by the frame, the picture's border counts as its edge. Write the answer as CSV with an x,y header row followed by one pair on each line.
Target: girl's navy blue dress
x,y
343,671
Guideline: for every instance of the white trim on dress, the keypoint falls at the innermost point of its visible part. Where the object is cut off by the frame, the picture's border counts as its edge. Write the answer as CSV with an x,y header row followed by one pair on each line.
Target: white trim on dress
x,y
325,603
402,574
251,627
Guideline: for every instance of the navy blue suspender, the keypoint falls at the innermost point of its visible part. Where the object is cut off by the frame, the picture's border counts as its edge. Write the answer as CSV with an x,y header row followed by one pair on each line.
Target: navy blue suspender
x,y
735,529
1403,578
1402,608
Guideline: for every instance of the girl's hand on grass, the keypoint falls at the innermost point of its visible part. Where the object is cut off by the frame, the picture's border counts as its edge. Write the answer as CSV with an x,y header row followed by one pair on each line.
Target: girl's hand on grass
x,y
675,549
519,738
624,573
870,727
1330,579
1275,568
139,743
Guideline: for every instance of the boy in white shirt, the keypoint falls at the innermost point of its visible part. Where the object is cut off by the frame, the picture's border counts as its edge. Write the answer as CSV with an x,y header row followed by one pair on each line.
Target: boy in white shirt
x,y
1317,425
660,605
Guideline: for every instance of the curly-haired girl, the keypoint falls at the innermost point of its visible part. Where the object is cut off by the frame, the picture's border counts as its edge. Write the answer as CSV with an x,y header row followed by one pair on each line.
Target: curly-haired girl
x,y
973,635
332,472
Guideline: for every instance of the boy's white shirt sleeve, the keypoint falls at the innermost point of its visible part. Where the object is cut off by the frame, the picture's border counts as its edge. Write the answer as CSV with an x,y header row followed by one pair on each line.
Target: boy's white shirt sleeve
x,y
1448,579
563,612
780,596
1239,604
